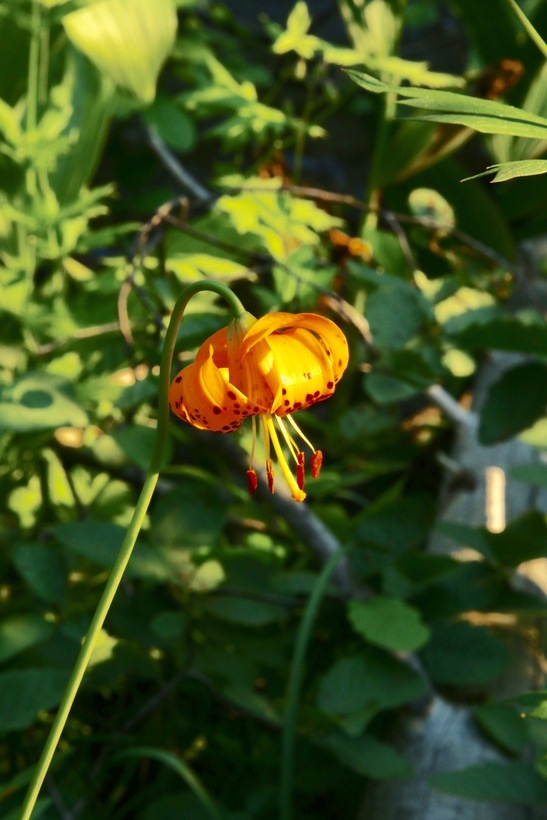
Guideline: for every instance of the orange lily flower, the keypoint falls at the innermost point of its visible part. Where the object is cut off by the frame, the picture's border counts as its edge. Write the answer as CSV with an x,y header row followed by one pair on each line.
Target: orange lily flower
x,y
270,367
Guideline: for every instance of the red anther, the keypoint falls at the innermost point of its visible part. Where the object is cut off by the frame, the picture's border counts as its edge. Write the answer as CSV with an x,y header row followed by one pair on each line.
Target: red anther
x,y
316,463
270,474
300,470
252,481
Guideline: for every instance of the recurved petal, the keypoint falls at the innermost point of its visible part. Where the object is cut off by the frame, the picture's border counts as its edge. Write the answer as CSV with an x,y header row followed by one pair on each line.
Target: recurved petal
x,y
333,339
303,370
202,396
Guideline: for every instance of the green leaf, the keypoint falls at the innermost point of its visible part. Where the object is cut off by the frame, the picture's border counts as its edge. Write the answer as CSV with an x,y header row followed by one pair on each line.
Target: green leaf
x,y
535,474
371,680
174,126
514,402
389,623
39,401
191,516
487,116
514,782
100,542
26,692
20,632
514,169
395,314
368,756
505,333
128,40
177,765
523,539
385,389
465,655
43,571
505,725
241,611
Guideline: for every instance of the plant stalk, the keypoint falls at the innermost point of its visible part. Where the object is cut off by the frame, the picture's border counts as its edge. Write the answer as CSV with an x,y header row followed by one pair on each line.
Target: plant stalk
x,y
131,535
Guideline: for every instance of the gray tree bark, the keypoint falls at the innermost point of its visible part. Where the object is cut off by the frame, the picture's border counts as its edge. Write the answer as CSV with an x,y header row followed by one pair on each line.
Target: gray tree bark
x,y
444,737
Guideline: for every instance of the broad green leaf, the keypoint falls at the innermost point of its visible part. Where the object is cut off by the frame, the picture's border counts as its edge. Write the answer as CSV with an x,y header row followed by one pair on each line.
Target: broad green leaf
x,y
100,542
368,756
19,632
26,692
389,623
172,124
514,782
523,539
128,40
514,402
395,315
386,389
242,611
39,401
397,524
190,516
465,655
43,570
505,333
371,680
505,725
535,473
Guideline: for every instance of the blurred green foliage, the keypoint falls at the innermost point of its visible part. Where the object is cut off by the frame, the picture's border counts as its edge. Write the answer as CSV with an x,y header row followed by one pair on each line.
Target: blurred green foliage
x,y
307,194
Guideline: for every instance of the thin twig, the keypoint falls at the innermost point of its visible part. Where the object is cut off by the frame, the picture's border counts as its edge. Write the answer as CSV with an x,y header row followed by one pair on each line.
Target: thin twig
x,y
170,161
451,408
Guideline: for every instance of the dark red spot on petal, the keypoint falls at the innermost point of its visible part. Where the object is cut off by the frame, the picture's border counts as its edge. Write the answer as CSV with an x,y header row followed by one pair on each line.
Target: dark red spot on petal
x,y
231,395
330,385
217,411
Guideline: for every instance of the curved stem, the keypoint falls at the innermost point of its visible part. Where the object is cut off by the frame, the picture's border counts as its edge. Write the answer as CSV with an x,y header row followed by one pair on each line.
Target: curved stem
x,y
130,539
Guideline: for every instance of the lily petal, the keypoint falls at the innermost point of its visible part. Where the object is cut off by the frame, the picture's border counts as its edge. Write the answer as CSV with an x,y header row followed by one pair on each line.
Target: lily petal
x,y
333,339
202,396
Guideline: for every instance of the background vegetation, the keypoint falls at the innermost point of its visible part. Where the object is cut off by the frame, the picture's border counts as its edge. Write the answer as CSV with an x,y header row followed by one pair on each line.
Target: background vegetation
x,y
146,145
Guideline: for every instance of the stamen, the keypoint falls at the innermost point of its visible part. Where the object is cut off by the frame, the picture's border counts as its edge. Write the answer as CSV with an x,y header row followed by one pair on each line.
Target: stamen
x,y
252,481
291,444
270,474
300,433
300,469
253,441
316,463
296,492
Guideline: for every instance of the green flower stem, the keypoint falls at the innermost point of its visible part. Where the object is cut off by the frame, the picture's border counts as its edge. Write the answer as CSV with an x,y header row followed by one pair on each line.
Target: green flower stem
x,y
131,535
303,639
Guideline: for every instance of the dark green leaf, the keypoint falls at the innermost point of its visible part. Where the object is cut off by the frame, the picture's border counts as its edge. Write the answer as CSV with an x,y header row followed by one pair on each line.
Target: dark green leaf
x,y
371,679
389,623
461,654
505,724
505,334
43,570
523,539
20,632
514,782
514,402
368,756
26,692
